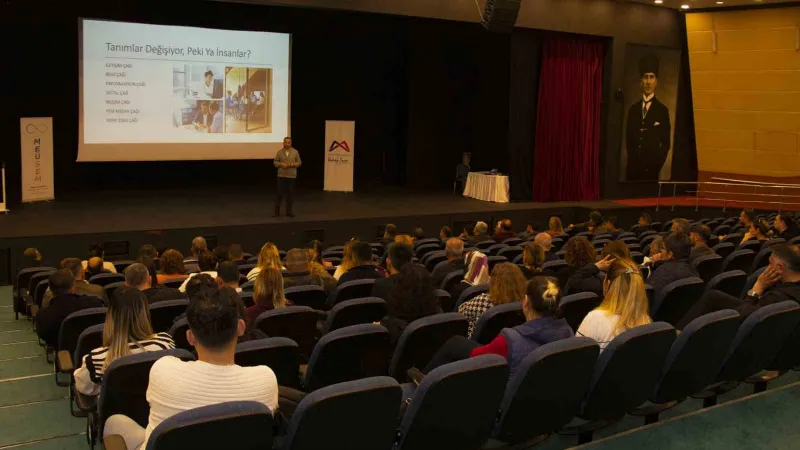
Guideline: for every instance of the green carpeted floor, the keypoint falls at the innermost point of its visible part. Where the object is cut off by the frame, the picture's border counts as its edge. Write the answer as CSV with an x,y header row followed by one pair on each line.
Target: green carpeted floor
x,y
34,412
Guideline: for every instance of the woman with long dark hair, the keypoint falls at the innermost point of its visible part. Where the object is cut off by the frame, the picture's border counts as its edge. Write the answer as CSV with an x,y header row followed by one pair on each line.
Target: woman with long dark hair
x,y
411,297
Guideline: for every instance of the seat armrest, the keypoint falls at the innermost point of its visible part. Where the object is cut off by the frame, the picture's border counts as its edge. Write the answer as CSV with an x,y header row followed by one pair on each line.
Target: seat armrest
x,y
114,442
64,362
288,399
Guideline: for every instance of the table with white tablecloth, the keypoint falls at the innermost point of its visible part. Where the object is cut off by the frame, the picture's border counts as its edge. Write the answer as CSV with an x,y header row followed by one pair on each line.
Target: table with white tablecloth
x,y
487,187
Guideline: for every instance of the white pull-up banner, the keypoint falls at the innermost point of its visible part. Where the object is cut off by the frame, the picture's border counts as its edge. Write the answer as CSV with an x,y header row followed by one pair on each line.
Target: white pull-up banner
x,y
339,155
36,141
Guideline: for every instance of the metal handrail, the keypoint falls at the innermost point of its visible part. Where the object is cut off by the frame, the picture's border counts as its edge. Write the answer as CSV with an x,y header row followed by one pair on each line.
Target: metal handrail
x,y
728,182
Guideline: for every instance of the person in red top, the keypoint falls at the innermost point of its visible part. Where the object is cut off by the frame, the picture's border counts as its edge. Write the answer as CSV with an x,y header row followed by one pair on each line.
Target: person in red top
x,y
267,294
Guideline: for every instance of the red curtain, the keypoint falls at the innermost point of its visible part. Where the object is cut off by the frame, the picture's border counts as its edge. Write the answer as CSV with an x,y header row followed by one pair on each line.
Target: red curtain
x,y
567,149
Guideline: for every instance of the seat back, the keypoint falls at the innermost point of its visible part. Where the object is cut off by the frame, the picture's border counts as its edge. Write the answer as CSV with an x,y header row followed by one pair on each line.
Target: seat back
x,y
243,425
547,389
421,339
753,245
708,266
175,283
470,293
730,282
355,312
346,354
759,339
751,281
636,256
554,265
125,385
483,245
771,242
510,252
278,353
24,277
89,339
120,266
75,323
575,307
424,249
310,295
439,411
557,243
734,237
495,319
247,298
102,279
721,230
676,299
738,260
433,258
495,260
514,241
761,259
36,278
298,323
452,279
111,288
492,251
788,357
39,291
354,289
163,314
696,356
178,333
724,249
627,371
319,422
244,269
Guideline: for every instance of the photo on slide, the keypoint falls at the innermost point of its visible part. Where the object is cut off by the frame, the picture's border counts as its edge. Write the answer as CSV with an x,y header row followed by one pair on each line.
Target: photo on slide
x,y
197,81
248,100
198,116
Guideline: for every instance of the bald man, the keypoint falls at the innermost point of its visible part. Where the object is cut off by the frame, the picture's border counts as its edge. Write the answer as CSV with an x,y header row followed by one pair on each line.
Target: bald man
x,y
454,250
503,231
546,241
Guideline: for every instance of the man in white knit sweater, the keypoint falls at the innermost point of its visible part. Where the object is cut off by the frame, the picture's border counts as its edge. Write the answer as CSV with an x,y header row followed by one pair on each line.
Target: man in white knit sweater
x,y
177,386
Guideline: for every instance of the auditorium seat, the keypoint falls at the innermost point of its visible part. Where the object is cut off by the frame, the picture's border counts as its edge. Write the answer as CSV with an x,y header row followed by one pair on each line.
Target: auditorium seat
x,y
484,245
349,353
676,299
575,307
730,282
667,225
753,245
355,312
646,240
247,298
243,425
112,287
554,265
561,254
244,269
795,240
761,259
22,287
252,260
693,361
278,353
36,280
493,250
68,334
440,415
600,243
586,234
624,377
298,323
422,250
163,314
310,295
178,333
771,242
325,418
510,252
646,233
433,258
738,260
452,279
421,339
124,389
377,248
545,392
39,291
90,339
120,266
494,319
732,238
513,242
636,256
724,249
175,284
751,281
556,244
444,299
787,358
758,340
708,266
427,241
630,239
352,289
102,279
495,260
470,293
721,230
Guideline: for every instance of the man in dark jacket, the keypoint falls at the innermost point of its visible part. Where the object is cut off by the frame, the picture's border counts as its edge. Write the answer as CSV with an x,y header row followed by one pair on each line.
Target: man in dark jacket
x,y
786,230
779,282
648,131
64,303
454,250
700,235
504,230
399,256
364,268
80,285
676,265
137,276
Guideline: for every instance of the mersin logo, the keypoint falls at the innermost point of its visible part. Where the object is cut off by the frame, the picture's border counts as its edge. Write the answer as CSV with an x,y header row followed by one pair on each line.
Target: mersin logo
x,y
339,144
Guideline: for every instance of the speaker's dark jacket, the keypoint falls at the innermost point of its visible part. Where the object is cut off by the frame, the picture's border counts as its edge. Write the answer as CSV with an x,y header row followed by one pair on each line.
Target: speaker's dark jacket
x,y
647,140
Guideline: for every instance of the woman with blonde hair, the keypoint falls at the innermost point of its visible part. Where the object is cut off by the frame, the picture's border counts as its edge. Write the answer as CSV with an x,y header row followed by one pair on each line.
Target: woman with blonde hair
x,y
268,257
506,285
126,331
171,264
267,294
348,259
625,305
556,228
533,257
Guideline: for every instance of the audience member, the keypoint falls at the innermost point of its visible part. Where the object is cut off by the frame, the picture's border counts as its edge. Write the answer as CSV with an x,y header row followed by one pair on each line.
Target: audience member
x,y
80,285
363,268
675,264
267,294
228,275
349,258
545,241
143,276
315,253
198,245
207,263
590,277
454,251
64,303
221,254
126,331
399,255
644,222
96,252
779,282
236,254
786,230
172,268
418,233
595,220
681,225
445,233
578,253
747,217
95,267
758,231
321,277
700,235
506,285
624,306
555,227
268,257
533,257
656,252
389,233
176,386
297,269
148,251
411,296
609,226
542,326
30,258
479,234
529,233
503,231
477,273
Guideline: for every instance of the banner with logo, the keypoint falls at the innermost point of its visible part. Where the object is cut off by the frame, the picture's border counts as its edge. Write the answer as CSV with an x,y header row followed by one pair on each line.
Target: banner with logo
x,y
339,155
36,138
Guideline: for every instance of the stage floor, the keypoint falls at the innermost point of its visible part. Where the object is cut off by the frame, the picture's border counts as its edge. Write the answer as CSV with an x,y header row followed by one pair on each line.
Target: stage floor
x,y
113,212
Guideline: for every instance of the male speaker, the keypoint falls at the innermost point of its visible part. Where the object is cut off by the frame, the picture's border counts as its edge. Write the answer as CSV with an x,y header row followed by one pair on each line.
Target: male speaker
x,y
648,129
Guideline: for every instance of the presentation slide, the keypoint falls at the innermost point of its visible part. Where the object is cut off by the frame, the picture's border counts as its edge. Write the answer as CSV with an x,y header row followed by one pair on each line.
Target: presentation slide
x,y
170,93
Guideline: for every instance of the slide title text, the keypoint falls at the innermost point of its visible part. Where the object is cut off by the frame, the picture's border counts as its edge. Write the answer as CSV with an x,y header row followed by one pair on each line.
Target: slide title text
x,y
166,50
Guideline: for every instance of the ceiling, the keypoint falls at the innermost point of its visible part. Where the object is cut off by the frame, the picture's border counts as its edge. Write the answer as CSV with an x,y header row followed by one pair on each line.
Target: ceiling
x,y
704,4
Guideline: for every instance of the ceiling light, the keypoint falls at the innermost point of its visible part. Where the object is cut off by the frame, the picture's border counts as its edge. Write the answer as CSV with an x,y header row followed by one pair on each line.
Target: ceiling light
x,y
658,2
720,3
684,6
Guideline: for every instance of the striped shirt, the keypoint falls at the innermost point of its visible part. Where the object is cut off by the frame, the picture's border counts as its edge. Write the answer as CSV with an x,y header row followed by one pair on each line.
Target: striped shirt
x,y
89,377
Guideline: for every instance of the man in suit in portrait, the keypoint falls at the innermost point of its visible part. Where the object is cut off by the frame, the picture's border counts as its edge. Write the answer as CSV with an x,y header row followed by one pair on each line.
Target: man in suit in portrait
x,y
648,129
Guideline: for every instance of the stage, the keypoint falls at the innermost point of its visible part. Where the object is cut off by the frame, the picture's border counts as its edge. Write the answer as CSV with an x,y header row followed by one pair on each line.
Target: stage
x,y
126,220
